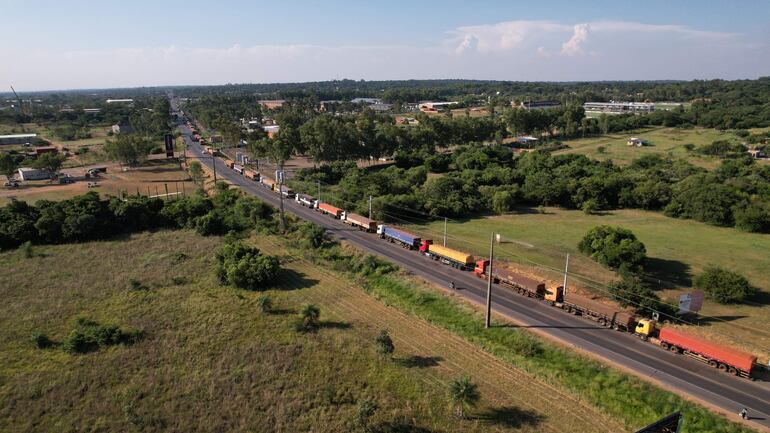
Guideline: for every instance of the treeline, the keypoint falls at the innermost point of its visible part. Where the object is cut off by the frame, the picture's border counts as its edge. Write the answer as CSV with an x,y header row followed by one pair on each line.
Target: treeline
x,y
479,179
89,217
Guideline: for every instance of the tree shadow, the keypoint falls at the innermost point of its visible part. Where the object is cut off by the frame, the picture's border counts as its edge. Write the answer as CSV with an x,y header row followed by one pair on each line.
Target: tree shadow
x,y
761,297
281,311
417,361
330,324
663,272
510,417
289,279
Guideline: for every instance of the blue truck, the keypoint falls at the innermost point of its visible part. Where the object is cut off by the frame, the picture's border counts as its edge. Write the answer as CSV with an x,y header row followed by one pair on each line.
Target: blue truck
x,y
403,238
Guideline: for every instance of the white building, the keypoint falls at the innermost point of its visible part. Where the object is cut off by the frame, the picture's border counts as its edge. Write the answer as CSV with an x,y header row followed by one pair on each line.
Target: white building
x,y
26,174
120,101
619,107
17,138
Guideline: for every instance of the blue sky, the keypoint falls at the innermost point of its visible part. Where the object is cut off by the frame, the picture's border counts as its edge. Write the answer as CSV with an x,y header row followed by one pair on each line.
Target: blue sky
x,y
76,44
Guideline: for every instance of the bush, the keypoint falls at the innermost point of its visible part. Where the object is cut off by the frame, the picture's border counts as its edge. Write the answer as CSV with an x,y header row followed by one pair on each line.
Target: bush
x,y
724,286
632,291
41,341
90,336
265,304
615,247
245,267
385,345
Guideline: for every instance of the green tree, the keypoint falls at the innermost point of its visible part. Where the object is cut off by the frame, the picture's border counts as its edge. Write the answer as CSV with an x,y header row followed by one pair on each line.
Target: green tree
x,y
278,150
245,267
196,173
385,345
503,202
128,149
615,247
463,394
724,286
752,218
8,164
50,162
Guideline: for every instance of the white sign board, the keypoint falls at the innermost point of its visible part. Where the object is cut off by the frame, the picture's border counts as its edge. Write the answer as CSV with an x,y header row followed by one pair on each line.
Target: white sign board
x,y
691,302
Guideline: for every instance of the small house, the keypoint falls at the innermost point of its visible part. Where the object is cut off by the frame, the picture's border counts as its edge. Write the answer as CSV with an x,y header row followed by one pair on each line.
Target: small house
x,y
636,141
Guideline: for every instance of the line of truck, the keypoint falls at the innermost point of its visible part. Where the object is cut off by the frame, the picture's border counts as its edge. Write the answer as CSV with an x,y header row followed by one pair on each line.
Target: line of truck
x,y
607,315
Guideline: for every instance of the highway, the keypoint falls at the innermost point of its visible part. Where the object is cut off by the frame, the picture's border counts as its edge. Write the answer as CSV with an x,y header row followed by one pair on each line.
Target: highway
x,y
678,373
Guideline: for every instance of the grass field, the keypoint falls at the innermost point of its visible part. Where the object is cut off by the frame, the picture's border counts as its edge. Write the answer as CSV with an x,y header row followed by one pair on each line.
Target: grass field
x,y
211,362
665,141
677,250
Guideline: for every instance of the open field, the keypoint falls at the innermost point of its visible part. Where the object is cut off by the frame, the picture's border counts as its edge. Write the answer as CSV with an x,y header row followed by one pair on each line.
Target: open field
x,y
211,362
665,141
150,179
677,250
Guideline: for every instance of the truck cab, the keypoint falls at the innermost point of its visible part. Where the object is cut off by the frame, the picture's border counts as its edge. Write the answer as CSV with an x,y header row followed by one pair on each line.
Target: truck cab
x,y
481,267
552,296
645,328
425,245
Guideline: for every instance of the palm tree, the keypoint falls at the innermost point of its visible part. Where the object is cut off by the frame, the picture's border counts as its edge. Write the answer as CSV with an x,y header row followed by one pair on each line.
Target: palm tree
x,y
309,315
463,393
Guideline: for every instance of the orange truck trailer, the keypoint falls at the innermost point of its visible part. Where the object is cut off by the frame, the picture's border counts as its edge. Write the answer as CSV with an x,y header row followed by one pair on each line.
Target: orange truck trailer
x,y
718,356
504,276
330,210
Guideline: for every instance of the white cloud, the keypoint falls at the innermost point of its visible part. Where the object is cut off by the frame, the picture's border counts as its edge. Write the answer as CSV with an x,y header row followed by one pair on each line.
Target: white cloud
x,y
573,46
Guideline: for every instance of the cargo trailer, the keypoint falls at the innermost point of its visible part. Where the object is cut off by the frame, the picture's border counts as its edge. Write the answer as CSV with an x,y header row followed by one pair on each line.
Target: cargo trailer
x,y
285,190
250,174
401,237
606,315
507,277
267,182
329,210
454,258
718,356
359,221
305,200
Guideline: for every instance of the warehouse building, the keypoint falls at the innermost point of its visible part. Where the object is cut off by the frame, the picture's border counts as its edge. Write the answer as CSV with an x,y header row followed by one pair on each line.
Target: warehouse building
x,y
26,173
619,107
17,139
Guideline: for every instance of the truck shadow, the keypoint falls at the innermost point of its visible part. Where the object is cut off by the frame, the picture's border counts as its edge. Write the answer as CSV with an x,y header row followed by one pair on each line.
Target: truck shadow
x,y
511,325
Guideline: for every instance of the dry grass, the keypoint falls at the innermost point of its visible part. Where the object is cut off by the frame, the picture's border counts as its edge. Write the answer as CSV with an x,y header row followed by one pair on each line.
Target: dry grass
x,y
212,362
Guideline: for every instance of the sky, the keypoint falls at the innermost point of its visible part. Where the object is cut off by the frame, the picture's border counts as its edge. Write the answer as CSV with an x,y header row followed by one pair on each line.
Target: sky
x,y
47,45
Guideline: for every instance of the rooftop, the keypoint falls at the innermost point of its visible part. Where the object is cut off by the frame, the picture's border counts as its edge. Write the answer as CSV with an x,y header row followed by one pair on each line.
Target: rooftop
x,y
18,136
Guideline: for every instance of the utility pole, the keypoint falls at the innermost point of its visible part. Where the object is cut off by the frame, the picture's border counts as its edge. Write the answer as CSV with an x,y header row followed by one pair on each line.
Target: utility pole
x,y
444,231
489,281
319,189
370,207
566,269
280,197
166,186
214,164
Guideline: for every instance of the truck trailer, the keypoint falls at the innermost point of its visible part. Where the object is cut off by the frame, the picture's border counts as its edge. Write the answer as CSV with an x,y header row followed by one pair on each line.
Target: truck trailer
x,y
606,315
401,237
721,357
329,210
267,182
507,277
454,258
362,222
305,200
251,174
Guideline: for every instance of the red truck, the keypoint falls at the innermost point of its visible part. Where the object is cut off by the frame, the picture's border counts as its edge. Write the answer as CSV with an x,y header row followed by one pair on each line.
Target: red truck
x,y
724,358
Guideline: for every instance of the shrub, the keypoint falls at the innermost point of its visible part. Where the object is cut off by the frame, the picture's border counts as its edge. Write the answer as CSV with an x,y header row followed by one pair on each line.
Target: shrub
x,y
724,286
245,267
265,304
41,341
134,284
90,336
601,149
385,345
632,291
615,247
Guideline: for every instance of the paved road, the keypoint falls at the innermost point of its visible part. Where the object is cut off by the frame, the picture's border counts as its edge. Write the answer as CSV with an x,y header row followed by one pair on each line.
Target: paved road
x,y
679,373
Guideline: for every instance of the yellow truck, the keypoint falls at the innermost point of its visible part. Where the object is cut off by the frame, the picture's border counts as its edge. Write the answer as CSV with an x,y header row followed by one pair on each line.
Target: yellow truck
x,y
457,259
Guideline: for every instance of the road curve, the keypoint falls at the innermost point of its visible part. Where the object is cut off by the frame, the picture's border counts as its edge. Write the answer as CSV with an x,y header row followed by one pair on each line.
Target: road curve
x,y
678,373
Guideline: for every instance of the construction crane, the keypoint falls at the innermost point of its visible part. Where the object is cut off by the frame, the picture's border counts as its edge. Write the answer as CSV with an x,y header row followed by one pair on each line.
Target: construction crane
x,y
21,106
